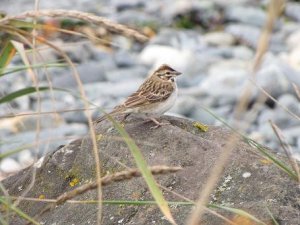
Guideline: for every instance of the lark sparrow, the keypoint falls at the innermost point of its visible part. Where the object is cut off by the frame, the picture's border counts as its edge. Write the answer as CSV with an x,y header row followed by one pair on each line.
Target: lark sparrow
x,y
153,98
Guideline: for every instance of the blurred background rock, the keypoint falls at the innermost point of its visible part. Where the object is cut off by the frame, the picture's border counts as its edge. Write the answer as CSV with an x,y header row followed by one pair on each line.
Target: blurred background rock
x,y
211,42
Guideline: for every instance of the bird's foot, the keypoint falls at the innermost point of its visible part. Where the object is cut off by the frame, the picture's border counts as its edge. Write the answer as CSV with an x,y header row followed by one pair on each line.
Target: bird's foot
x,y
158,124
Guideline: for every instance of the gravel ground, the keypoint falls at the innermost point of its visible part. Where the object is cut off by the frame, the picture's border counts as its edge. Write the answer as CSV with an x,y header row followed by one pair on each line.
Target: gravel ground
x,y
215,58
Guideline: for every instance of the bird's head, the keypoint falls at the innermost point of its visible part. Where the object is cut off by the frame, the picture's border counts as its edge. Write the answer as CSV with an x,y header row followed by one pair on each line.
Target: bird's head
x,y
166,73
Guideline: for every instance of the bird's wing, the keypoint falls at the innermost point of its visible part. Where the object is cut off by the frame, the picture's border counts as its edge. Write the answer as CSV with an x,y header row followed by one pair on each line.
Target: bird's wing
x,y
151,92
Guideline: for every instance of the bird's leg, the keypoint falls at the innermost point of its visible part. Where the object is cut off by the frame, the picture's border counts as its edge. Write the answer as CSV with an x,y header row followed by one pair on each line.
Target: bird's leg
x,y
158,124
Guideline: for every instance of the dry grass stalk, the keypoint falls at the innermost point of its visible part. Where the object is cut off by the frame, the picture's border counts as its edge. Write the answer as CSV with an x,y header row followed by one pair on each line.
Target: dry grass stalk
x,y
297,90
275,100
214,176
22,33
86,105
206,209
106,23
20,48
274,10
287,148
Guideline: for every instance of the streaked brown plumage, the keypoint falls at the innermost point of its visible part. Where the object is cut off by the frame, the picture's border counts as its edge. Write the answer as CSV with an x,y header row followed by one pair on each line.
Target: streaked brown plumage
x,y
154,97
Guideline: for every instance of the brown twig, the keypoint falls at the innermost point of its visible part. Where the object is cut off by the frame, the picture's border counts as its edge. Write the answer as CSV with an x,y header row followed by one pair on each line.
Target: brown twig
x,y
117,177
297,90
108,24
286,147
275,100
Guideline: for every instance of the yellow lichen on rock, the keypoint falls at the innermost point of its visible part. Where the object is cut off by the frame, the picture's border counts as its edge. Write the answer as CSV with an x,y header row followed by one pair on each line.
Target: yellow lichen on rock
x,y
201,126
74,182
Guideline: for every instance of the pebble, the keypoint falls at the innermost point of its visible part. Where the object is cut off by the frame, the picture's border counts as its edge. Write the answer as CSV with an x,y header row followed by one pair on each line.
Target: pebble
x,y
294,57
89,72
125,74
179,59
126,5
291,135
246,14
224,84
179,39
184,105
125,59
49,138
292,40
25,158
9,165
246,34
291,103
243,53
135,17
272,79
219,39
99,90
292,10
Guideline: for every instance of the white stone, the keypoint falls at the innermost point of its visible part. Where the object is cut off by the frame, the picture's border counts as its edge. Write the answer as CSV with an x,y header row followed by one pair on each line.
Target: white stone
x,y
25,158
159,54
9,165
273,80
294,57
224,84
246,174
219,39
293,40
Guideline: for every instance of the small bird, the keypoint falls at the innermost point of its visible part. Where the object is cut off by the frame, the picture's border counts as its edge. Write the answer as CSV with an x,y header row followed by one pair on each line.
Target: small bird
x,y
154,97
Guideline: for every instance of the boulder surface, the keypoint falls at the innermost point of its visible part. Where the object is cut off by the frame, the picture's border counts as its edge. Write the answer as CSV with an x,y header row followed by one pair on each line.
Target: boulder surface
x,y
249,181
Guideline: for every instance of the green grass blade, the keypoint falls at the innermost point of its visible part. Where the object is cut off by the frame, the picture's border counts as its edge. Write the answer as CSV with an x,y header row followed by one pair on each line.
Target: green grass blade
x,y
2,221
143,167
24,24
37,66
18,211
281,165
272,217
6,54
27,91
20,93
127,202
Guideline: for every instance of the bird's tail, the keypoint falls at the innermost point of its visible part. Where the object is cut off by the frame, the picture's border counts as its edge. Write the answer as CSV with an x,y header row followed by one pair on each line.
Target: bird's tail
x,y
116,111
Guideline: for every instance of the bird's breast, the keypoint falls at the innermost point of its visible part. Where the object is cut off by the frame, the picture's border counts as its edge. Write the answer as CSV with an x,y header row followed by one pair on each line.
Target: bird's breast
x,y
160,108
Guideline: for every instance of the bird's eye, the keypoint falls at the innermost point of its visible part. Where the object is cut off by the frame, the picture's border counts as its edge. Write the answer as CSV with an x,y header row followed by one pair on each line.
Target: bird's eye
x,y
168,73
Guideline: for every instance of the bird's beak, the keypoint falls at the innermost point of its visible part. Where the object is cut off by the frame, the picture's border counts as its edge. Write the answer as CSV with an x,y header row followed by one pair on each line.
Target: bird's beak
x,y
176,73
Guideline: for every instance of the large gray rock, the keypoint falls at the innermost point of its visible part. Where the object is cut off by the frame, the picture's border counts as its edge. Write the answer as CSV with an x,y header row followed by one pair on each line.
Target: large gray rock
x,y
248,182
